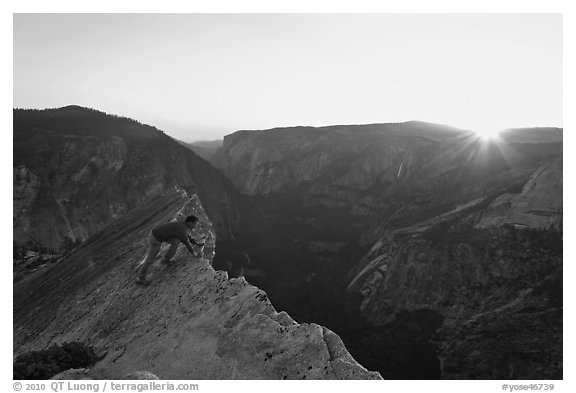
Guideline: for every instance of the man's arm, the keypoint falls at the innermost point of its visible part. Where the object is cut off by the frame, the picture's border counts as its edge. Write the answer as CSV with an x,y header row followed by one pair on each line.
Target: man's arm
x,y
186,241
189,247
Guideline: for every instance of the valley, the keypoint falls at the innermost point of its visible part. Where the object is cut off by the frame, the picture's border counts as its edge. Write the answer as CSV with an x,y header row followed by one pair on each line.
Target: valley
x,y
309,282
439,240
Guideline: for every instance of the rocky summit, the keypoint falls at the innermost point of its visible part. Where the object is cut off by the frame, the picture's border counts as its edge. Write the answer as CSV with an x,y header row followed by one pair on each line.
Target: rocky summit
x,y
191,322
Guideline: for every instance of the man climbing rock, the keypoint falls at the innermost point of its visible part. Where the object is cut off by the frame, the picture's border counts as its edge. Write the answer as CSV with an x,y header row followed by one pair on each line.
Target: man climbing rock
x,y
174,233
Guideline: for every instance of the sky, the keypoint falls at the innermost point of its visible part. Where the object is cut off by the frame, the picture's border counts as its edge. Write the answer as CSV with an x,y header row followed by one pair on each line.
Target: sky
x,y
202,76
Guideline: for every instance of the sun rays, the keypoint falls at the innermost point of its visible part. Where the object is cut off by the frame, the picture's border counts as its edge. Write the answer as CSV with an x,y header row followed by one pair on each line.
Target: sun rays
x,y
488,133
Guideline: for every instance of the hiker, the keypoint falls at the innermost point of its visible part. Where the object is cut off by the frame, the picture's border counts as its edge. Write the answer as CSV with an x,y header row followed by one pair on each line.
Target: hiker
x,y
174,232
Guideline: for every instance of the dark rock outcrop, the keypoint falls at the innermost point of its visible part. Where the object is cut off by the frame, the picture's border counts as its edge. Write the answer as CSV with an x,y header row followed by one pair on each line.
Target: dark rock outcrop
x,y
191,323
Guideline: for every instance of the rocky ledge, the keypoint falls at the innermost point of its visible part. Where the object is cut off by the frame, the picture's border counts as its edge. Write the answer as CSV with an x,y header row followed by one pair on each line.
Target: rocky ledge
x,y
191,322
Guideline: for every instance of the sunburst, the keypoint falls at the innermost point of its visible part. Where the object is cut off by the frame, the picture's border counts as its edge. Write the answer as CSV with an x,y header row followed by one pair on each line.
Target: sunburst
x,y
488,133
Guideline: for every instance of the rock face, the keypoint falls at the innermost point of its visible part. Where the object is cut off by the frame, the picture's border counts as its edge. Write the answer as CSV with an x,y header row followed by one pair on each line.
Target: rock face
x,y
26,187
538,205
492,269
378,170
335,166
447,251
76,170
191,323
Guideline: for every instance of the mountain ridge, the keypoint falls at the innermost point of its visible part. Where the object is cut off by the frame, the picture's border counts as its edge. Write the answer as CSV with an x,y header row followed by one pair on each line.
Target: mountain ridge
x,y
70,158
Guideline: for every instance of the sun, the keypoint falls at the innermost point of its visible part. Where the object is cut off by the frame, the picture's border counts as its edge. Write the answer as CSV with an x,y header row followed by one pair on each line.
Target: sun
x,y
488,133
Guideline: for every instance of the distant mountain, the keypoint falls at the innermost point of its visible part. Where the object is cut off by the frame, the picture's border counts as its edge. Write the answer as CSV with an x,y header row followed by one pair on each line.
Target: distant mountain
x,y
77,169
532,135
215,144
205,149
374,169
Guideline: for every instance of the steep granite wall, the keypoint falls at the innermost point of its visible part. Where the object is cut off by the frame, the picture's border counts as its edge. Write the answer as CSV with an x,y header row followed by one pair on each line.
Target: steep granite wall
x,y
378,171
491,269
338,166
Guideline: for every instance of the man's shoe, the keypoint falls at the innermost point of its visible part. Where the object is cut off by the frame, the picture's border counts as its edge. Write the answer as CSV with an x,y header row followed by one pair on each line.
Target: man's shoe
x,y
142,281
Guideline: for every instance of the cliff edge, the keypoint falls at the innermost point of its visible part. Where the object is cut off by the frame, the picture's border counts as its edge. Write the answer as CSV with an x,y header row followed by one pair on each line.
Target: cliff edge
x,y
191,322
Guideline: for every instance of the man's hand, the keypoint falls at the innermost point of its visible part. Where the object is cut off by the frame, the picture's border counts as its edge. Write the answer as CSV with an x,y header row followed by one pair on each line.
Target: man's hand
x,y
200,251
193,251
192,240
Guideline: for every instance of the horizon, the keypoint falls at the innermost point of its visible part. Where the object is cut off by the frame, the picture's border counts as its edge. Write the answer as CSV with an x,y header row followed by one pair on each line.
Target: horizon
x,y
276,127
203,76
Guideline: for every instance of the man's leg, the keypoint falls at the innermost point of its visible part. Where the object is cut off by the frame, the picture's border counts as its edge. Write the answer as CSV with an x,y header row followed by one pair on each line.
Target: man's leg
x,y
153,248
171,251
